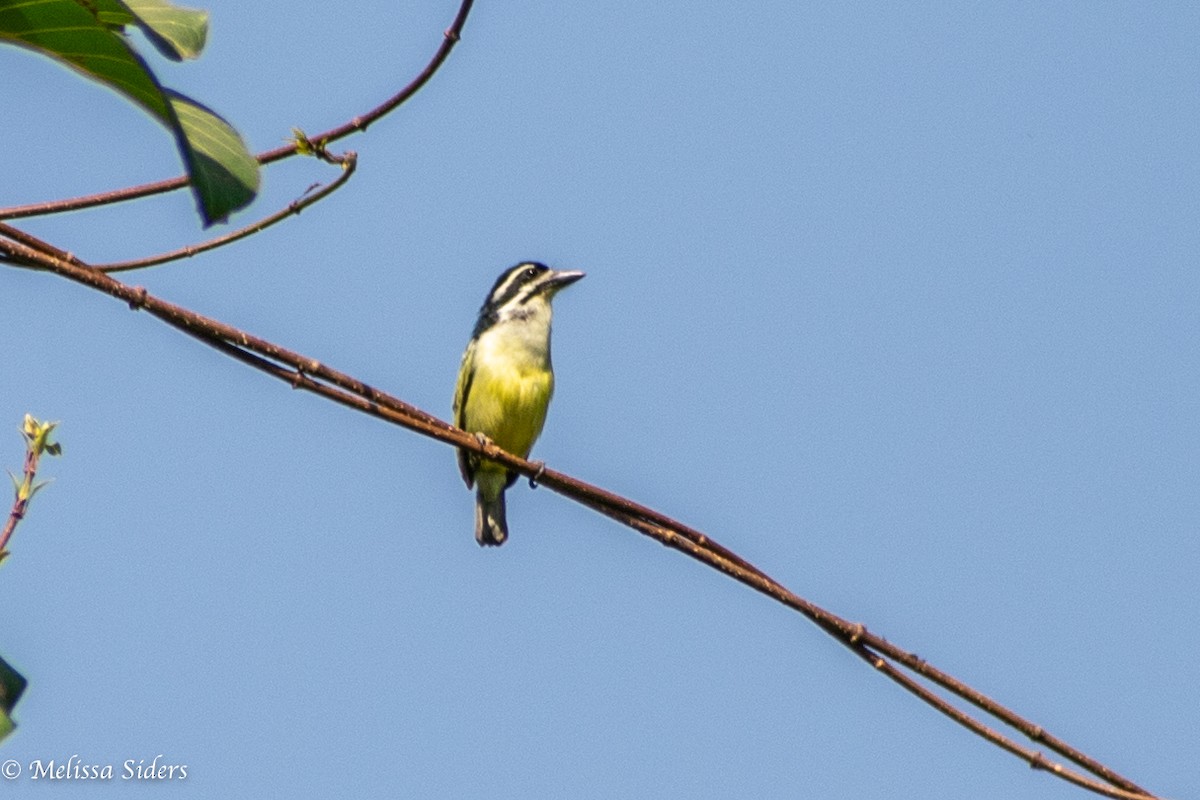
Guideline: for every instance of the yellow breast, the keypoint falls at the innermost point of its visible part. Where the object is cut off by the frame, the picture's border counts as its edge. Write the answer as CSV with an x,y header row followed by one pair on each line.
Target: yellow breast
x,y
507,402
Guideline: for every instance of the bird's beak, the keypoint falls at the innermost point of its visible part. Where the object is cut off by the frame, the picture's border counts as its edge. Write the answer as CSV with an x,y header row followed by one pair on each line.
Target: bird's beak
x,y
563,278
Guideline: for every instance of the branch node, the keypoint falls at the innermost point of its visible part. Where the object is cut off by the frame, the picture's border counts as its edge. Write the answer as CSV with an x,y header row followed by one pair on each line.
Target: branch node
x,y
1039,762
452,35
858,632
138,299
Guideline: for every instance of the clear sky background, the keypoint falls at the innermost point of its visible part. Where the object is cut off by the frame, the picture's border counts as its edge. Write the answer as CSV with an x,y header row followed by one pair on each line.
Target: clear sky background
x,y
901,304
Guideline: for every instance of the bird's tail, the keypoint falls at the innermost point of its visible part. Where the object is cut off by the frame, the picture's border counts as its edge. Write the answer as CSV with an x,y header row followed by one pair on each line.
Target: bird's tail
x,y
491,528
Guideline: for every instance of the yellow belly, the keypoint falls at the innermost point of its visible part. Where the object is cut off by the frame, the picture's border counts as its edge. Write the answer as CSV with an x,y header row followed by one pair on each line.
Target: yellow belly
x,y
508,405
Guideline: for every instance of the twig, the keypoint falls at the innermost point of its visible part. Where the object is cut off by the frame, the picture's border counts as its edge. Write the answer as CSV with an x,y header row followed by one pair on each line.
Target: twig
x,y
450,38
348,163
19,504
309,374
37,442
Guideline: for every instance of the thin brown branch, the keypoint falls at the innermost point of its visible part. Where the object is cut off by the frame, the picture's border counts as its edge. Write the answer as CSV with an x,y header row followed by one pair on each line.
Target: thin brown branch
x,y
309,374
348,163
42,256
19,503
450,38
37,245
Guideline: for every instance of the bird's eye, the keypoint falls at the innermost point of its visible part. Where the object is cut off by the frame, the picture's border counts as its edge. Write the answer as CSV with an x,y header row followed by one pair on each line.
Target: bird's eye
x,y
531,273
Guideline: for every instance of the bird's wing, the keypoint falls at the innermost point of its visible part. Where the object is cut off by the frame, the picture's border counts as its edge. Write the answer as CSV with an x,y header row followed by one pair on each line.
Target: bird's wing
x,y
462,389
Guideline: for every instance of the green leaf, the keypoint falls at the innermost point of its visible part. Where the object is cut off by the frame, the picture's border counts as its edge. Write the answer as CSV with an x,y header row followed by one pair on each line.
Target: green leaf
x,y
110,12
177,33
222,169
65,30
224,174
12,685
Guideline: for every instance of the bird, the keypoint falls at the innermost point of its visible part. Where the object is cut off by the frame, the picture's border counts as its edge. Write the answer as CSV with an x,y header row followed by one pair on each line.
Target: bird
x,y
505,384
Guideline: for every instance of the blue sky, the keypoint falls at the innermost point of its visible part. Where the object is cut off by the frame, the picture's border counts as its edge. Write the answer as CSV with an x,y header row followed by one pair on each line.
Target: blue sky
x,y
901,304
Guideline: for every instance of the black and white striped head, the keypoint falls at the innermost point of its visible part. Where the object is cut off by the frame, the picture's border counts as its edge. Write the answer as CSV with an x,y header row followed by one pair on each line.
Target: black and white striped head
x,y
522,291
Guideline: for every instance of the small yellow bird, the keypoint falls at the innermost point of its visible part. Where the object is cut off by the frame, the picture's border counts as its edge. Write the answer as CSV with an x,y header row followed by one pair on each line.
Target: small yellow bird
x,y
505,383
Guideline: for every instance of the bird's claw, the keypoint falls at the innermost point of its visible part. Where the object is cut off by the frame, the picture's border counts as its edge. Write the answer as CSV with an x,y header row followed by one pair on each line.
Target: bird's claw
x,y
535,477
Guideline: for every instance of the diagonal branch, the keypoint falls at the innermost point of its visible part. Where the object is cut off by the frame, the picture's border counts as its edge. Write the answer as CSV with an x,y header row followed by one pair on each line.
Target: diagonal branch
x,y
450,38
306,373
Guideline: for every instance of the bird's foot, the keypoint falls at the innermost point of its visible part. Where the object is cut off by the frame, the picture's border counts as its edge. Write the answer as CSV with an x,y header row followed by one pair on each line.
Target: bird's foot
x,y
535,477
